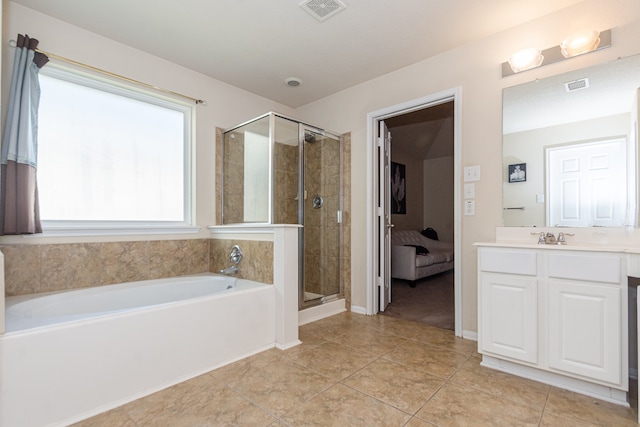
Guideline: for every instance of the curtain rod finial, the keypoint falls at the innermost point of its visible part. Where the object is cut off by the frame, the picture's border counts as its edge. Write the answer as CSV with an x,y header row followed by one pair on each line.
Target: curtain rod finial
x,y
201,102
13,43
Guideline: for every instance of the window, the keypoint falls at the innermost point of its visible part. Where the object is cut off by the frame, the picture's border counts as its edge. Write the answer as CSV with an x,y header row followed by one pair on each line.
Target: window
x,y
110,156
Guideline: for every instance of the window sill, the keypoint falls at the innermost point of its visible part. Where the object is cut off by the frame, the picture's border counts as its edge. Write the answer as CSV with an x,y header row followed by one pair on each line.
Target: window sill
x,y
114,231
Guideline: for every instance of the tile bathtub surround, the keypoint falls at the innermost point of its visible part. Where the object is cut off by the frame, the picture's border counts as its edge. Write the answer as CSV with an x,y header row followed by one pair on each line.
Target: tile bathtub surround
x,y
355,370
257,259
43,268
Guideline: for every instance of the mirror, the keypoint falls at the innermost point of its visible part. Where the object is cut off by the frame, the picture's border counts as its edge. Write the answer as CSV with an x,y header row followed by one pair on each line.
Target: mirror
x,y
570,148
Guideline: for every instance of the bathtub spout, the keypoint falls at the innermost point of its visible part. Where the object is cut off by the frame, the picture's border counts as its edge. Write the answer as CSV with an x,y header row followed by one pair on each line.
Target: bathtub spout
x,y
229,270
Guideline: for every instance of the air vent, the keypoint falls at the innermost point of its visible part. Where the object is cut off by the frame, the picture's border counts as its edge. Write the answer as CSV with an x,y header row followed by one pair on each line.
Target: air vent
x,y
322,9
576,85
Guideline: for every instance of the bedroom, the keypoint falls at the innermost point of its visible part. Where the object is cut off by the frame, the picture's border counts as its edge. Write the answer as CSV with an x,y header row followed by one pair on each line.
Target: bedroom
x,y
422,148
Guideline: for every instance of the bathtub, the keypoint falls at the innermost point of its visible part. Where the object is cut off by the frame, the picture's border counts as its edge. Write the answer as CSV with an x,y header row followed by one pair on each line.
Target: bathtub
x,y
69,355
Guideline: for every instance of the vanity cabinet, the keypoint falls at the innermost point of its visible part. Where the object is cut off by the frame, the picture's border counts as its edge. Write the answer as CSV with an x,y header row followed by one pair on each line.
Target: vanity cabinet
x,y
585,308
555,311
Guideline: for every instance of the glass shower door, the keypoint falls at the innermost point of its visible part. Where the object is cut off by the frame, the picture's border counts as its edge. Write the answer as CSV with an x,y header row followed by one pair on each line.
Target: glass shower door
x,y
320,213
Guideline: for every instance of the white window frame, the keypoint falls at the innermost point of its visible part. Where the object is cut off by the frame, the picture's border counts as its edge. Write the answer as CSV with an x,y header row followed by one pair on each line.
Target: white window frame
x,y
83,228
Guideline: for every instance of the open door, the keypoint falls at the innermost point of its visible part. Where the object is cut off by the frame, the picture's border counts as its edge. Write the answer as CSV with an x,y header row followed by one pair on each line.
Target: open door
x,y
384,216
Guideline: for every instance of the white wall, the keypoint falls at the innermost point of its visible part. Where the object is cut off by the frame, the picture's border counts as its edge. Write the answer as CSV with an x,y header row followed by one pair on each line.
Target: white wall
x,y
476,68
438,196
227,105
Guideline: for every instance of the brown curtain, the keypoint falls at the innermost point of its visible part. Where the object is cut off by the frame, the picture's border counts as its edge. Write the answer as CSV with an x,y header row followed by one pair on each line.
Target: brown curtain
x,y
19,211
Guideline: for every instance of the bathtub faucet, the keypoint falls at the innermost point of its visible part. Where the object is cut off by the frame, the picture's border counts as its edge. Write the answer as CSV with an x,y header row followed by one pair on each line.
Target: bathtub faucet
x,y
229,270
235,257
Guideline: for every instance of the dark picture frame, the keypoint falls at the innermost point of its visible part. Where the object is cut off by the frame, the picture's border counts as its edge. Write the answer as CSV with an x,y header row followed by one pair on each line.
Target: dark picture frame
x,y
398,189
518,172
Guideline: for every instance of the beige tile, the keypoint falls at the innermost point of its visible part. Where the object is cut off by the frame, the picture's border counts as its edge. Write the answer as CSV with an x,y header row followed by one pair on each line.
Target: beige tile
x,y
549,420
401,327
454,405
404,387
123,262
280,386
417,422
195,402
336,361
580,408
70,266
367,339
446,339
434,360
235,372
309,341
510,387
21,269
245,414
171,258
115,418
343,406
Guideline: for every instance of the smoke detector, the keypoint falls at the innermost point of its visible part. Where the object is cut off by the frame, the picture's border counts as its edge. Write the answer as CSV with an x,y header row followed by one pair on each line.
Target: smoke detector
x,y
293,81
322,9
576,85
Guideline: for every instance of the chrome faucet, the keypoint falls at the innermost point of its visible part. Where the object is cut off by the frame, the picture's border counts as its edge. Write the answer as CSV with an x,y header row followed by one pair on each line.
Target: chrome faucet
x,y
561,238
235,257
229,270
550,239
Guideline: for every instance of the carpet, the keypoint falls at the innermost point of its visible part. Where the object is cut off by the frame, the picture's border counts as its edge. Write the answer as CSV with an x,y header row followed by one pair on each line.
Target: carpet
x,y
430,302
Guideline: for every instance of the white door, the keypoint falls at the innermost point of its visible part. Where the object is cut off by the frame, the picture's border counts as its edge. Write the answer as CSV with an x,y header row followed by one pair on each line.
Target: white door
x,y
587,184
384,216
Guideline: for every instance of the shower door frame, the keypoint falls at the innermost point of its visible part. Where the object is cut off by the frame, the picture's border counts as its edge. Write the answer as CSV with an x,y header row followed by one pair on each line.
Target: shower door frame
x,y
303,128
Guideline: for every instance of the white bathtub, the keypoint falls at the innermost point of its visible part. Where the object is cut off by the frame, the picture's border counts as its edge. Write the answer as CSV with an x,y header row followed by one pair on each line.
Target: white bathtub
x,y
69,355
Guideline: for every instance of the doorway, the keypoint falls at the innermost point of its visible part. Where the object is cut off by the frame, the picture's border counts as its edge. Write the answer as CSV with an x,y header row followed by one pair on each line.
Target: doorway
x,y
422,148
379,284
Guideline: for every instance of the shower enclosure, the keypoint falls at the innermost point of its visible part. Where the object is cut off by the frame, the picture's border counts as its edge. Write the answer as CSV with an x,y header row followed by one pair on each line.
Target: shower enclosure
x,y
277,170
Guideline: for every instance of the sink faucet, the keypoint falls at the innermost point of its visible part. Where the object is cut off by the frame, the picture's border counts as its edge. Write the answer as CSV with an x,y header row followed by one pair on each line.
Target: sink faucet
x,y
229,270
550,239
561,238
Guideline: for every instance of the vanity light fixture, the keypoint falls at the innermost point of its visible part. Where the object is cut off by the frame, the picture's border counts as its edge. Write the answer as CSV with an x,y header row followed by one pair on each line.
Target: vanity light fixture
x,y
574,45
526,59
579,43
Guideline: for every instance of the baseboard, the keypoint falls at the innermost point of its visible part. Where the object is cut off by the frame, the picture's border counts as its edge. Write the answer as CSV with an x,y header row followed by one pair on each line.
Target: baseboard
x,y
358,310
599,391
470,335
321,311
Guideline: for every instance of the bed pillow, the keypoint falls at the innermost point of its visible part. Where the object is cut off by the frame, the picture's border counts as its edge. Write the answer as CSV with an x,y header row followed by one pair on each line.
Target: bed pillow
x,y
420,250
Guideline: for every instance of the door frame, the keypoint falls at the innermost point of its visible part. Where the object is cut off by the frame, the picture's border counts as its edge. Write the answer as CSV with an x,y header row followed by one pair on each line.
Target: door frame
x,y
373,119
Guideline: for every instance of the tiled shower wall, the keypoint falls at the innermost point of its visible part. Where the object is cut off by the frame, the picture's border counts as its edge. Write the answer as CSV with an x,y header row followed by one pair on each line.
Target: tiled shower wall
x,y
345,230
43,268
285,185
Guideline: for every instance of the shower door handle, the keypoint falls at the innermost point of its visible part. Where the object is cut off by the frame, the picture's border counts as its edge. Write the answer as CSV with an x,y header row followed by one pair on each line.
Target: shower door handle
x,y
390,225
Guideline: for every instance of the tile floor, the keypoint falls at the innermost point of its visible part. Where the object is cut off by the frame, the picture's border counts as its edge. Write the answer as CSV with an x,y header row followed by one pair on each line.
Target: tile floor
x,y
354,370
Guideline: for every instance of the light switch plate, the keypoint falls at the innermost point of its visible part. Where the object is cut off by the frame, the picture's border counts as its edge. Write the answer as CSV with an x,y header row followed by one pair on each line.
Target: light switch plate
x,y
469,207
469,191
472,173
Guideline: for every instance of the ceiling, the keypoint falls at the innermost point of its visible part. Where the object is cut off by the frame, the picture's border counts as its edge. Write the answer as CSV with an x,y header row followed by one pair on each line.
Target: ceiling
x,y
257,44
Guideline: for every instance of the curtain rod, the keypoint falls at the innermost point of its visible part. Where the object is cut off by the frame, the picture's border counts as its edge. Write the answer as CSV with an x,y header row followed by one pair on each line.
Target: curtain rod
x,y
109,73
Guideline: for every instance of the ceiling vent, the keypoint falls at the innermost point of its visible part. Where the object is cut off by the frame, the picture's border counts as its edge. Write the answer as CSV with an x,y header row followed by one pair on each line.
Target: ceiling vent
x,y
322,9
576,85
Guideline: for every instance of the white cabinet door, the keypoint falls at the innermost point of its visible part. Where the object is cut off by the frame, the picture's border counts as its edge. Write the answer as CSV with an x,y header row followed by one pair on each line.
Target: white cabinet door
x,y
585,330
508,316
